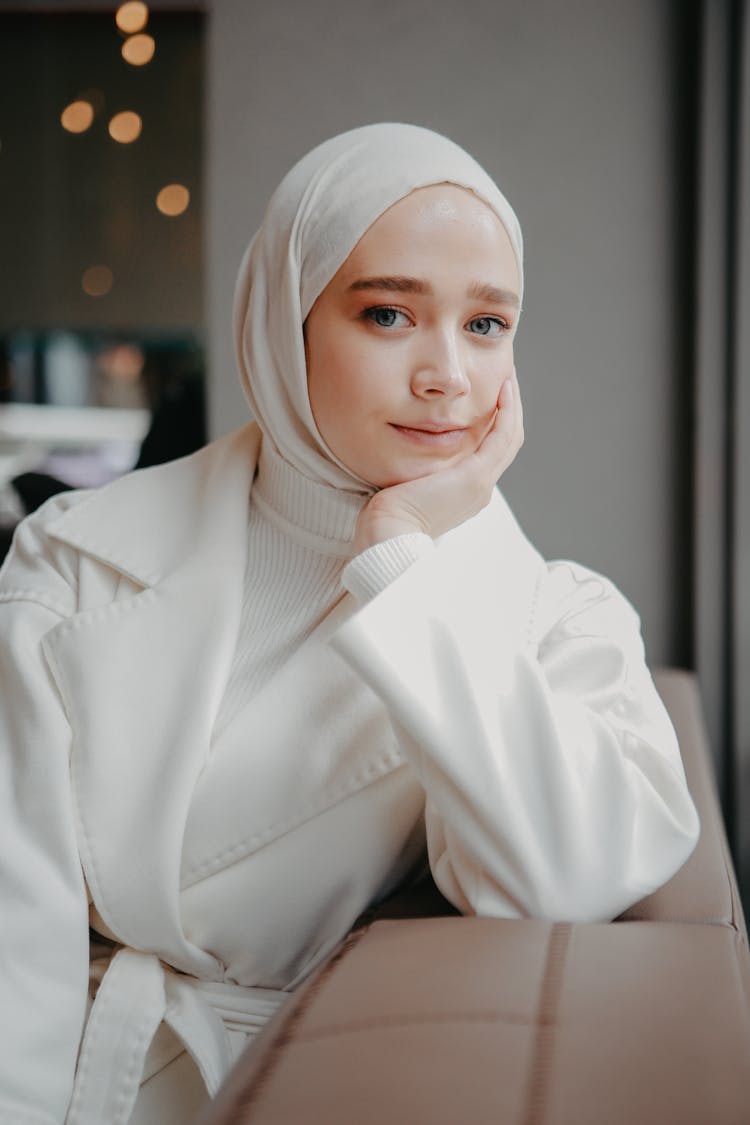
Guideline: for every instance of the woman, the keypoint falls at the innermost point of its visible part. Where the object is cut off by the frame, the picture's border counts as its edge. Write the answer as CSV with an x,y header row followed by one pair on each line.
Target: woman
x,y
229,729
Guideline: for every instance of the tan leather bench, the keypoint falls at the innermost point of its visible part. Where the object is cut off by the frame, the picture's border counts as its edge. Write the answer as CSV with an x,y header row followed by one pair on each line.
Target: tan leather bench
x,y
444,1020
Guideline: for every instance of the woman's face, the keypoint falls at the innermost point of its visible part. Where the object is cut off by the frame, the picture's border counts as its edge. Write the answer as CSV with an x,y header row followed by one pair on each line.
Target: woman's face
x,y
409,343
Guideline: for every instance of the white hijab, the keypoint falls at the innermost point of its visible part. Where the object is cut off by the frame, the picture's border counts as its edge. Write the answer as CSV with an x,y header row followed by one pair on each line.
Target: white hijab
x,y
313,221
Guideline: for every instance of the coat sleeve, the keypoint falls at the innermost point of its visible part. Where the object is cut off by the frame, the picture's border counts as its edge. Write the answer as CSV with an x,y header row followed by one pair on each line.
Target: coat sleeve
x,y
552,773
44,921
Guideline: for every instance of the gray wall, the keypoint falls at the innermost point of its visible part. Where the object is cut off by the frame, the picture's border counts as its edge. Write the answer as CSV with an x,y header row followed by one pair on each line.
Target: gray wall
x,y
571,106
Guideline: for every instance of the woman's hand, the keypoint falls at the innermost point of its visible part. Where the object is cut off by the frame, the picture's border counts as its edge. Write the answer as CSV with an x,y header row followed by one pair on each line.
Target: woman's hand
x,y
440,501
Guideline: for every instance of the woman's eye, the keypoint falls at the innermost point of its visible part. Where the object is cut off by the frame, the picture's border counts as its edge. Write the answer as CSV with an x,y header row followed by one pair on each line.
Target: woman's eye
x,y
386,317
488,326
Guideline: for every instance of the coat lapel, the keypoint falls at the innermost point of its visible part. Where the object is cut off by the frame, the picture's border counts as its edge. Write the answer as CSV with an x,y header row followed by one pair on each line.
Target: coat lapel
x,y
142,677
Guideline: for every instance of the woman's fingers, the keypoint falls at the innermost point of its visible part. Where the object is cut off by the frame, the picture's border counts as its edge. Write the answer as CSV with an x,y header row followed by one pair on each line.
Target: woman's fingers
x,y
505,436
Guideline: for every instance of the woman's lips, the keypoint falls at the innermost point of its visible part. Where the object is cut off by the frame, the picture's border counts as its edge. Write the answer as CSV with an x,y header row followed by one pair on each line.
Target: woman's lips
x,y
431,435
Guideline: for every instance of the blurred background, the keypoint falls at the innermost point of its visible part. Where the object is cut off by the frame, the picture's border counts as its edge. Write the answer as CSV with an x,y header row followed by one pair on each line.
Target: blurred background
x,y
139,146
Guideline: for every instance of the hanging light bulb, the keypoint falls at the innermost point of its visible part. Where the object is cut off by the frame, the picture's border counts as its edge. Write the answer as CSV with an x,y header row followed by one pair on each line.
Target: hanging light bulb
x,y
138,50
131,17
125,127
173,199
77,116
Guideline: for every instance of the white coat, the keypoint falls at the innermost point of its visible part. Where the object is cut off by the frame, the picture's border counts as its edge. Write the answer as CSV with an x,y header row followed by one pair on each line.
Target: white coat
x,y
499,702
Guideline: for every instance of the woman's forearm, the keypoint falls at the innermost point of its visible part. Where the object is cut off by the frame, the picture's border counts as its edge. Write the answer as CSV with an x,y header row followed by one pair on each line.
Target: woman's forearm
x,y
553,779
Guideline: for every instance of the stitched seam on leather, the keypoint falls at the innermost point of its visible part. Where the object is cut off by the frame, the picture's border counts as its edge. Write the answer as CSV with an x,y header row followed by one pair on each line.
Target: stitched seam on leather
x,y
740,957
680,919
249,1096
736,910
416,1020
547,1018
737,917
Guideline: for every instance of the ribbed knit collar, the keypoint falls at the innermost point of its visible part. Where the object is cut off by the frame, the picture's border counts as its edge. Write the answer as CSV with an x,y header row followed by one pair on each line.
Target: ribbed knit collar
x,y
316,514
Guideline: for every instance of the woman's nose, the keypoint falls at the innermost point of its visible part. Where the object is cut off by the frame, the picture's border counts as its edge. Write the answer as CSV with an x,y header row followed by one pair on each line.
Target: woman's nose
x,y
440,370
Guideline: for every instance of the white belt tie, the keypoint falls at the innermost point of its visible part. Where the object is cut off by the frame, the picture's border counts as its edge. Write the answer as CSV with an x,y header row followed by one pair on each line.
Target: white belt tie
x,y
137,992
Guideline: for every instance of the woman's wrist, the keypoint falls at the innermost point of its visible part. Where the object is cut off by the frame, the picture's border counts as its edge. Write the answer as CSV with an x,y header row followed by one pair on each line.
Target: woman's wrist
x,y
376,524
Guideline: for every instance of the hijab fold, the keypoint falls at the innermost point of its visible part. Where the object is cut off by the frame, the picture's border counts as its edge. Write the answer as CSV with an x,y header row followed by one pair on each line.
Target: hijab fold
x,y
313,221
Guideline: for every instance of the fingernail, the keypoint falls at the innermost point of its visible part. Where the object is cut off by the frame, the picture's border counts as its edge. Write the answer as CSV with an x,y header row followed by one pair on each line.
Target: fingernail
x,y
508,388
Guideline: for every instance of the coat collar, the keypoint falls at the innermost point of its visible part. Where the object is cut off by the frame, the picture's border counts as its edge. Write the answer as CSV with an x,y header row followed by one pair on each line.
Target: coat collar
x,y
143,676
128,526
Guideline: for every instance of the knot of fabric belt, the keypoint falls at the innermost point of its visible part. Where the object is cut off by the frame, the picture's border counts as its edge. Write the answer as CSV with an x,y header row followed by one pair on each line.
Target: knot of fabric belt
x,y
137,992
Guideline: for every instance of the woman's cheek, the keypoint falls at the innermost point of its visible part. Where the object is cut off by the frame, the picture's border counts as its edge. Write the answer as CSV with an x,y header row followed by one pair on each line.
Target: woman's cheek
x,y
490,391
502,369
485,428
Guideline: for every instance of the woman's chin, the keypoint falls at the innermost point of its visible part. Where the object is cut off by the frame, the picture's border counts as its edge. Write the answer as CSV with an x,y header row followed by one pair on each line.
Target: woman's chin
x,y
402,473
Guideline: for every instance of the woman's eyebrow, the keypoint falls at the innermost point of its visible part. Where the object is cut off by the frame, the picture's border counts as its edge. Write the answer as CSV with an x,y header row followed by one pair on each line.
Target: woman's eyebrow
x,y
485,292
395,284
478,290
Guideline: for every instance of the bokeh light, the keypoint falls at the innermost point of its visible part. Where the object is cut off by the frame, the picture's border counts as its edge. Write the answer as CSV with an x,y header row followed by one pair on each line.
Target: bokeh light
x,y
97,281
77,116
138,50
125,127
132,17
122,362
173,199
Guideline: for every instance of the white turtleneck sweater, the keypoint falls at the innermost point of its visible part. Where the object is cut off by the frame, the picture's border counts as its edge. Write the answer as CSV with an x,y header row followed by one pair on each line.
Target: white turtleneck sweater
x,y
299,564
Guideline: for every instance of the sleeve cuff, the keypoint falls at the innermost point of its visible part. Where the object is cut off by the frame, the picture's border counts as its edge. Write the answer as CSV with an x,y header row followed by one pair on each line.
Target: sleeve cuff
x,y
368,573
